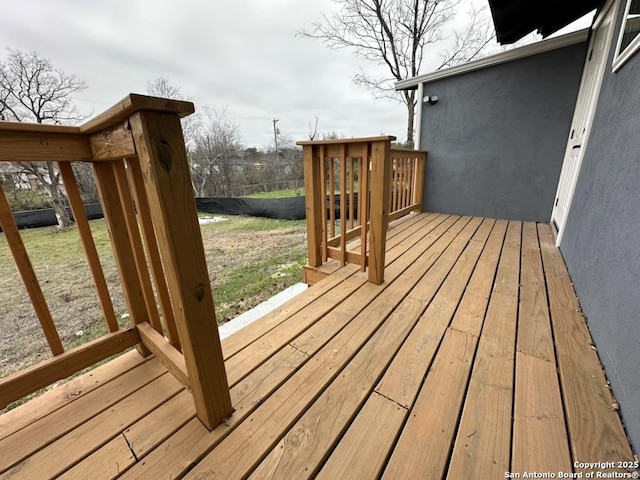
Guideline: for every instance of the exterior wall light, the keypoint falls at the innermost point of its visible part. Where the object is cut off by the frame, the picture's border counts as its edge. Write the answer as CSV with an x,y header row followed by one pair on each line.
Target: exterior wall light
x,y
432,99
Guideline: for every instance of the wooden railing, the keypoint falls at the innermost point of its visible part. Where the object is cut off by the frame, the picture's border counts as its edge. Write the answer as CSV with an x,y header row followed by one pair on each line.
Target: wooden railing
x,y
353,188
142,174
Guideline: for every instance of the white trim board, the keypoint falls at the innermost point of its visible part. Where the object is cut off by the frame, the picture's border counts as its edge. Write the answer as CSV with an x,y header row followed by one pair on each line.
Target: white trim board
x,y
504,57
250,316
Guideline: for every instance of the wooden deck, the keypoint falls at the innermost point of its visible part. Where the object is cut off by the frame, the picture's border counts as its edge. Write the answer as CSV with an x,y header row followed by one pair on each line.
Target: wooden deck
x,y
472,359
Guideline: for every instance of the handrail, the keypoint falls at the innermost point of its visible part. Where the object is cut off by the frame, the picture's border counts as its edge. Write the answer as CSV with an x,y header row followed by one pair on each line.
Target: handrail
x,y
353,188
142,174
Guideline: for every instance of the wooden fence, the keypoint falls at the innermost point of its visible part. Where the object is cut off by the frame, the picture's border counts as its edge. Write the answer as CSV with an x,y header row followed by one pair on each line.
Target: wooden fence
x,y
142,174
353,189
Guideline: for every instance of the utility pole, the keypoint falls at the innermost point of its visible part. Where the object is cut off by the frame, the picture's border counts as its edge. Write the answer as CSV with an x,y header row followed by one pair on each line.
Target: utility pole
x,y
276,131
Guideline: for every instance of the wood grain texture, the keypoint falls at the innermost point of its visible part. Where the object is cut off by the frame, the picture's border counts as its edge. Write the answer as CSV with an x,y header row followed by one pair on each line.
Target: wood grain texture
x,y
43,146
373,431
167,179
131,104
540,441
106,463
534,324
143,213
67,363
380,191
58,457
49,428
27,413
113,143
166,353
483,444
122,249
423,448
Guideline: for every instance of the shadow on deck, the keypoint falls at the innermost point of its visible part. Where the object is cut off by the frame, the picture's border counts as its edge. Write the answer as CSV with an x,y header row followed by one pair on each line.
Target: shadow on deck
x,y
472,359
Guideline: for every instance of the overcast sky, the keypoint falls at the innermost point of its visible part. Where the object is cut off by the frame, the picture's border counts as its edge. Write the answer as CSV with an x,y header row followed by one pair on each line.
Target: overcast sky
x,y
242,55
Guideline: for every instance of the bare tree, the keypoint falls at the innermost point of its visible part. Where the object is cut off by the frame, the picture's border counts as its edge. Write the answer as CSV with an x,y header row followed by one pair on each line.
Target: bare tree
x,y
397,34
31,89
216,147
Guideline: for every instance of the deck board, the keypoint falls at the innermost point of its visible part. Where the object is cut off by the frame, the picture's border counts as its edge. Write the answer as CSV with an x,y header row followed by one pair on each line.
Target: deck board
x,y
472,359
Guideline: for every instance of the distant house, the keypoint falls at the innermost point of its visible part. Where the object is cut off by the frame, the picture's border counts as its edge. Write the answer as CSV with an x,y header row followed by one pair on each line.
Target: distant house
x,y
550,132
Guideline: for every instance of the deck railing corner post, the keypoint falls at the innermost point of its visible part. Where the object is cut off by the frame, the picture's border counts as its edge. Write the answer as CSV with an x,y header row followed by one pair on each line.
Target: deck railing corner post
x,y
380,196
314,203
163,160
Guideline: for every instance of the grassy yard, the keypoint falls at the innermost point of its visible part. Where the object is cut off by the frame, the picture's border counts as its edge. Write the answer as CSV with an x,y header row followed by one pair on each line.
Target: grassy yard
x,y
277,194
249,260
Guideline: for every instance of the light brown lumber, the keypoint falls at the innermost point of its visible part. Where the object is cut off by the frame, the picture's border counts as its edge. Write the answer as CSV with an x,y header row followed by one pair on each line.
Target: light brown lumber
x,y
482,445
69,449
13,127
534,325
458,245
239,340
28,274
61,395
38,434
143,212
239,453
89,246
331,307
41,146
135,240
404,377
310,439
132,103
61,366
113,143
595,429
473,306
144,435
107,463
540,442
122,249
314,203
166,353
327,418
329,143
175,455
191,442
165,167
423,448
326,307
372,432
411,266
380,178
343,210
508,276
363,201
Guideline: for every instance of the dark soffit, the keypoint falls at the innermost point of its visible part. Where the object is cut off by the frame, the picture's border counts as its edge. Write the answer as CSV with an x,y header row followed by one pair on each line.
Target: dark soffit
x,y
513,19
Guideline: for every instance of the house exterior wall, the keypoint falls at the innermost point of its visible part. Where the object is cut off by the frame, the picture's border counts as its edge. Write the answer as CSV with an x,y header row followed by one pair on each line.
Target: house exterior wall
x,y
601,241
496,136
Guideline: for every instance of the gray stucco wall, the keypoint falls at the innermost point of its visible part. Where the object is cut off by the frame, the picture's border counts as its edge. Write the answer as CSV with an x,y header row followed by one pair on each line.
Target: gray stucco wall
x,y
496,137
601,243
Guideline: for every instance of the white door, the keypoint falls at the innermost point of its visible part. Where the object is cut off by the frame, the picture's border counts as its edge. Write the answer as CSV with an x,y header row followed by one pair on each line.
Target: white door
x,y
583,115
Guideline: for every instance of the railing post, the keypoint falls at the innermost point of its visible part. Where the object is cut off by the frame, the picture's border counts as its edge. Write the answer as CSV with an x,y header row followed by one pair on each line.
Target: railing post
x,y
418,187
160,146
315,201
380,191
